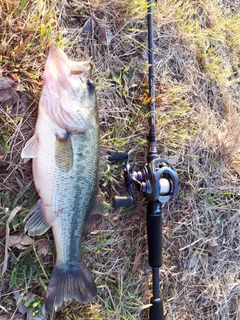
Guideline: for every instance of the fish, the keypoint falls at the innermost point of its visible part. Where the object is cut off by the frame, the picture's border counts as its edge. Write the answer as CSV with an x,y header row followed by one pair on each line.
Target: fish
x,y
65,164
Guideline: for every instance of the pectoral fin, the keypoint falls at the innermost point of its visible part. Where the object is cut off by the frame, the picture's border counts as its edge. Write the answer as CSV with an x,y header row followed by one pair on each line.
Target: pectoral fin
x,y
31,149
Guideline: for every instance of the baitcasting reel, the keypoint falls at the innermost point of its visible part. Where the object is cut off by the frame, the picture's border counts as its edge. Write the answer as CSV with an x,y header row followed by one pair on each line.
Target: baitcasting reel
x,y
157,179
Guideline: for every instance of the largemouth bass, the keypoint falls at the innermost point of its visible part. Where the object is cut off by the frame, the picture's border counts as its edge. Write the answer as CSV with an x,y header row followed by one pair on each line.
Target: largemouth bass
x,y
65,153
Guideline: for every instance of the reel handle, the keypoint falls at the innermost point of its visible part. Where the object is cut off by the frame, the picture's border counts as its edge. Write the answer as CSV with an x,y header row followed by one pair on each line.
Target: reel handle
x,y
117,155
119,202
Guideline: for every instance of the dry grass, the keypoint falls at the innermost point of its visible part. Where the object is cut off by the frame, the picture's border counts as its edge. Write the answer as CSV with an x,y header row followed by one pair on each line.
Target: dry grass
x,y
197,51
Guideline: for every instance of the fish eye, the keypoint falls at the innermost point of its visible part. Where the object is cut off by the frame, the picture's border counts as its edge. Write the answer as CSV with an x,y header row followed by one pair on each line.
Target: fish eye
x,y
90,85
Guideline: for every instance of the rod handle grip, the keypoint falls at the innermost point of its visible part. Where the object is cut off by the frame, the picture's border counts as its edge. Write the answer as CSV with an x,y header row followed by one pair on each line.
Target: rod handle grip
x,y
122,202
156,309
154,232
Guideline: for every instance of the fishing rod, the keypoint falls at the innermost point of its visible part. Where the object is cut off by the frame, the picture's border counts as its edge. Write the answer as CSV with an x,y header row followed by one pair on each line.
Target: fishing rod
x,y
158,180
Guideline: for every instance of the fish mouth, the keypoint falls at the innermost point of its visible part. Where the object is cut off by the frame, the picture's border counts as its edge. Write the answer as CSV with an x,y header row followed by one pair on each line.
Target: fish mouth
x,y
57,55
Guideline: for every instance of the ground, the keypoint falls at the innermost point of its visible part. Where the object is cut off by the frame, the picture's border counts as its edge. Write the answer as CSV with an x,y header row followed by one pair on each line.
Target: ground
x,y
197,51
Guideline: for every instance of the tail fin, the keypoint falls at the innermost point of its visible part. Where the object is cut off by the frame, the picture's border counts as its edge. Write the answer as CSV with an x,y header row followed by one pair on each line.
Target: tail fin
x,y
67,283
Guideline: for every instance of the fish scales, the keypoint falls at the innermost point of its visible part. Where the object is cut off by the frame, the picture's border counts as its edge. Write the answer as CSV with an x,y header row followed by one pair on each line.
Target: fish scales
x,y
76,191
65,152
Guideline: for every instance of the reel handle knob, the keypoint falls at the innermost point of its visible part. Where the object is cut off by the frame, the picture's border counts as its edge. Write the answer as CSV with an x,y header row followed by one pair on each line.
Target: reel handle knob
x,y
122,202
117,155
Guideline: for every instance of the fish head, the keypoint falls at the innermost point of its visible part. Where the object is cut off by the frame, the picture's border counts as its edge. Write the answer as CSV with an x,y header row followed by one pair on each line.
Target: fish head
x,y
68,96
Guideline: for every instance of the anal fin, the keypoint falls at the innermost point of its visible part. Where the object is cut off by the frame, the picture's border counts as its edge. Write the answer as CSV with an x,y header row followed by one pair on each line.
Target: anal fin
x,y
94,219
94,222
36,223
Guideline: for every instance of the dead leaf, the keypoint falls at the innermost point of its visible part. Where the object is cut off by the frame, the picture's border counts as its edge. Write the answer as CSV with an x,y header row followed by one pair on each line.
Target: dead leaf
x,y
3,167
121,24
88,26
160,87
43,316
147,101
20,241
42,246
158,99
56,25
6,94
102,34
23,310
213,248
87,30
12,95
6,83
191,263
11,217
174,159
204,300
26,240
19,302
137,260
5,316
16,77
